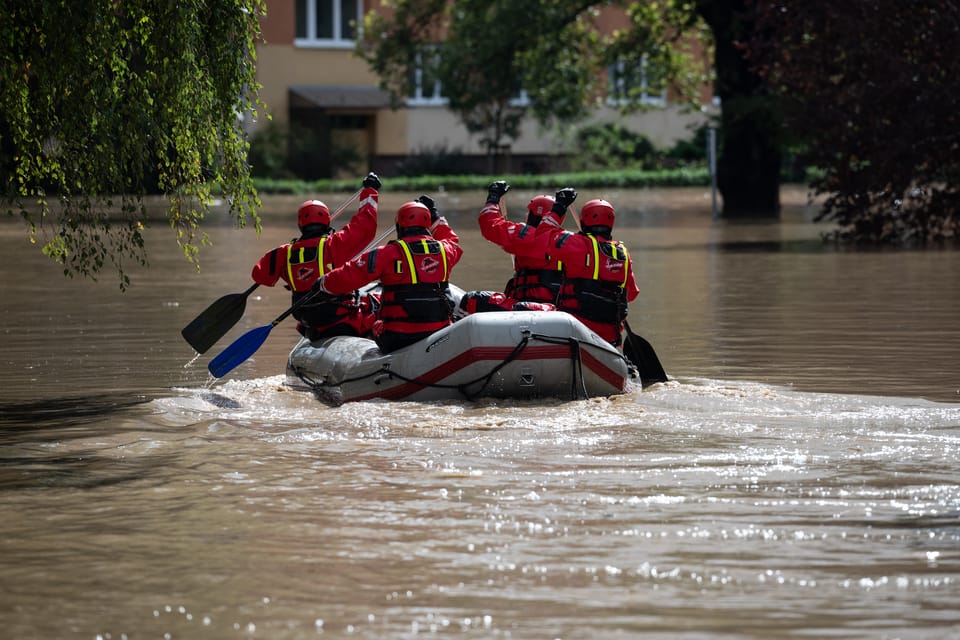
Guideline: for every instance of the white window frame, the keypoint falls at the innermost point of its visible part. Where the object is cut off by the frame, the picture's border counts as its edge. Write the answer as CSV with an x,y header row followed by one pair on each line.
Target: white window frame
x,y
620,97
418,99
521,99
337,41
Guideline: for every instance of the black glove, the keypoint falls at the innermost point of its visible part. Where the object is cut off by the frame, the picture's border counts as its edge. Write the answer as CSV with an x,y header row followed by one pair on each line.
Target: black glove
x,y
564,198
372,181
496,190
430,204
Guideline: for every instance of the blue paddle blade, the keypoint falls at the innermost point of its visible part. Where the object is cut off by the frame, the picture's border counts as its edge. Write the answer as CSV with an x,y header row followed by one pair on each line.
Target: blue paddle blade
x,y
241,349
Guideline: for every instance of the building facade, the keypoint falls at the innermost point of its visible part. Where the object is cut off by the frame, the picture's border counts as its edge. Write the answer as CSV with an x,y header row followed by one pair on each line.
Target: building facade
x,y
312,80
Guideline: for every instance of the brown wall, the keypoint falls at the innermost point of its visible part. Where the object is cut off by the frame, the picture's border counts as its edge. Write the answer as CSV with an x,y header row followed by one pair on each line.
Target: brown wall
x,y
279,25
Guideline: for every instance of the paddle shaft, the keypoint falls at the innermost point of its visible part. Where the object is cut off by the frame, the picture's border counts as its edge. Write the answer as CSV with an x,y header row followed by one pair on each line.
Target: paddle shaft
x,y
346,204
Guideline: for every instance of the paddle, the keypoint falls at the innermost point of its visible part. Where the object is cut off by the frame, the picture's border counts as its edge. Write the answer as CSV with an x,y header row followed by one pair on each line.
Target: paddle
x,y
219,317
247,344
644,358
216,320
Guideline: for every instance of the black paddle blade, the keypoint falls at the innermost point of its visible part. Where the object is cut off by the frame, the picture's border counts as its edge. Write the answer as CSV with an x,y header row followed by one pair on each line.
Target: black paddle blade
x,y
215,321
641,354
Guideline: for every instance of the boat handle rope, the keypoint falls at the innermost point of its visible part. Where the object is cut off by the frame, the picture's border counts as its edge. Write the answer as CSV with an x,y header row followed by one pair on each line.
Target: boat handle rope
x,y
575,358
462,387
576,361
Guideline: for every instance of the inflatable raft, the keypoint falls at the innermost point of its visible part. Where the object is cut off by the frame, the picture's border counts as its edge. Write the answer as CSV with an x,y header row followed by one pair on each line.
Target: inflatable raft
x,y
510,354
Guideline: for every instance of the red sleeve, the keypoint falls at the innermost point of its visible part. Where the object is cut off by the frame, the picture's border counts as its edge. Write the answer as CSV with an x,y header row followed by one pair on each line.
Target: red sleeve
x,y
515,238
632,289
347,243
451,243
357,272
497,229
270,267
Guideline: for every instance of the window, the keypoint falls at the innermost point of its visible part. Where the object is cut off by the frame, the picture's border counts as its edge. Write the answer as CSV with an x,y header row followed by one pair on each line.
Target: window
x,y
520,99
630,82
328,23
425,88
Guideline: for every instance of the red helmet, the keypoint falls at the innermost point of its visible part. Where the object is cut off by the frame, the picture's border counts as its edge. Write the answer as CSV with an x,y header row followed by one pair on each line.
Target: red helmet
x,y
597,213
541,205
413,214
312,212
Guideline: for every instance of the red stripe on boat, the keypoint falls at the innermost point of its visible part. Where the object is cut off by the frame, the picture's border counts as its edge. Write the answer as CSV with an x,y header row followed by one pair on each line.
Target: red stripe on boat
x,y
476,354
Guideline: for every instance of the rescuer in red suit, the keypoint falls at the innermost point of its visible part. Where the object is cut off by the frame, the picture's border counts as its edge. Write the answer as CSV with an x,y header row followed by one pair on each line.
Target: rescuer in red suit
x,y
318,250
598,272
413,270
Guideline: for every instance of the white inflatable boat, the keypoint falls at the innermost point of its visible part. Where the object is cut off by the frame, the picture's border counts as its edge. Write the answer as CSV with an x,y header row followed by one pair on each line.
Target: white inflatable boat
x,y
510,354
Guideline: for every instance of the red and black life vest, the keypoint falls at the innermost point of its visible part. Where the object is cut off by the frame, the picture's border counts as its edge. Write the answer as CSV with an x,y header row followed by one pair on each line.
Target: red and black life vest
x,y
534,279
307,262
415,288
597,290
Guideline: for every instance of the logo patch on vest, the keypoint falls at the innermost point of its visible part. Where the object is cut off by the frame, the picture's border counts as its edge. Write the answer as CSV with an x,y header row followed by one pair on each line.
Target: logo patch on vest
x,y
430,264
304,272
613,266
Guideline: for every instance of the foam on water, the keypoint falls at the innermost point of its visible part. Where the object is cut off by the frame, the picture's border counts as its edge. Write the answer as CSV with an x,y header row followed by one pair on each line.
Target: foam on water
x,y
688,403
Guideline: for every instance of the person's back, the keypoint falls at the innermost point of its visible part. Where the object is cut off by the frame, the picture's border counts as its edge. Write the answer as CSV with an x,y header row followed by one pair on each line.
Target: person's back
x,y
598,273
414,272
535,278
318,250
599,280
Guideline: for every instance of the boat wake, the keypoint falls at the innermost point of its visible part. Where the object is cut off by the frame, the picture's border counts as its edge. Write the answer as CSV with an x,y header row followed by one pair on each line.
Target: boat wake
x,y
693,404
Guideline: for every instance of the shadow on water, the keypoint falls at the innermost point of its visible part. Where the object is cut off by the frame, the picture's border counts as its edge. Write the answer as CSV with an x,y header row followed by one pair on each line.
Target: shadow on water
x,y
65,415
33,436
79,470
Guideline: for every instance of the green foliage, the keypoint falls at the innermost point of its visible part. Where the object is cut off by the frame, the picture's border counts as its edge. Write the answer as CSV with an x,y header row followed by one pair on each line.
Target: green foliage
x,y
476,64
878,112
269,152
437,161
554,51
290,151
626,179
690,150
103,103
612,146
558,51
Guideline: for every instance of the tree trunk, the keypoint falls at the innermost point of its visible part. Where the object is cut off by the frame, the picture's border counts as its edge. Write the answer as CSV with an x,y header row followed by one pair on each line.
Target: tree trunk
x,y
748,167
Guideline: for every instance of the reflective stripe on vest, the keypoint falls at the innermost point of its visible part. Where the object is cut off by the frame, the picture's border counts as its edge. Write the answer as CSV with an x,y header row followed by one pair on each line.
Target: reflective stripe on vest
x,y
304,254
426,251
596,258
615,249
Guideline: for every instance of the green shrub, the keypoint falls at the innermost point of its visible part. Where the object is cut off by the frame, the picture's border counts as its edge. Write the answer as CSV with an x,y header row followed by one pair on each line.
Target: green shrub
x,y
630,178
292,152
692,150
437,161
612,146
